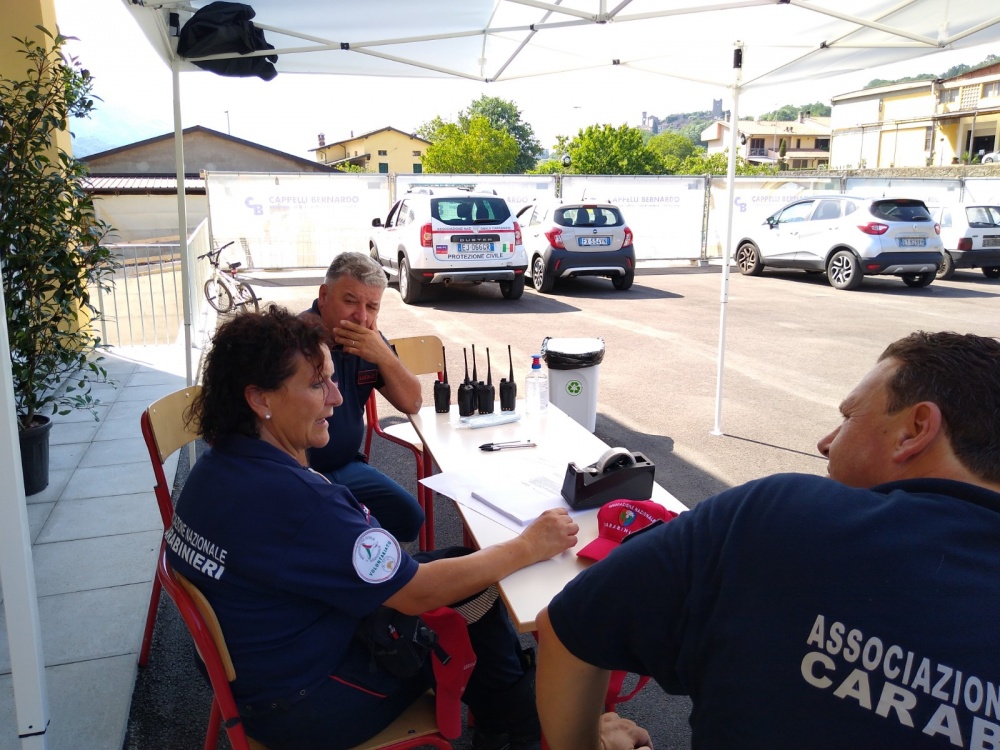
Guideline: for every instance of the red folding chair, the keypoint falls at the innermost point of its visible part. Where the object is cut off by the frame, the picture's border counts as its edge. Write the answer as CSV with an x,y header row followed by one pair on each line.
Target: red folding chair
x,y
416,727
165,430
421,355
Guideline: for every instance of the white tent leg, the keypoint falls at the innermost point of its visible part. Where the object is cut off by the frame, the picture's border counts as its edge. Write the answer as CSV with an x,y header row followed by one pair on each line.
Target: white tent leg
x,y
17,573
734,127
186,280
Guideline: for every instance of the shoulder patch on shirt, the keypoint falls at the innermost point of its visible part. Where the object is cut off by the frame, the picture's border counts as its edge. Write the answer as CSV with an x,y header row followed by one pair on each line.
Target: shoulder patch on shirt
x,y
367,377
376,556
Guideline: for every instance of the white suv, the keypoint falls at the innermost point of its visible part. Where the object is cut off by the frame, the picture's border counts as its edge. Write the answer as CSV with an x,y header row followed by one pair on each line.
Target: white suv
x,y
971,237
847,238
450,237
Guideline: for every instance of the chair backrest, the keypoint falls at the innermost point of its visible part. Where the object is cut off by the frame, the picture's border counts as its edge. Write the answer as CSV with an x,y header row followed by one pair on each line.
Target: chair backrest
x,y
165,430
201,622
422,355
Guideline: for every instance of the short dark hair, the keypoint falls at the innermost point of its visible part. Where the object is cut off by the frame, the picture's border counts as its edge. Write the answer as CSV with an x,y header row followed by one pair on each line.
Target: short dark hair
x,y
256,349
961,374
359,267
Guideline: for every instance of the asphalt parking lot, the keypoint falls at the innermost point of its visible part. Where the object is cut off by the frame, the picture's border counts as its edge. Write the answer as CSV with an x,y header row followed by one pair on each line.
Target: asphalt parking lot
x,y
794,348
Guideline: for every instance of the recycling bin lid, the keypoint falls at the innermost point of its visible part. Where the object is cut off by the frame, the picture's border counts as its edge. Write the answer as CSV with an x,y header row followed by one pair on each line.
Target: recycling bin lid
x,y
569,354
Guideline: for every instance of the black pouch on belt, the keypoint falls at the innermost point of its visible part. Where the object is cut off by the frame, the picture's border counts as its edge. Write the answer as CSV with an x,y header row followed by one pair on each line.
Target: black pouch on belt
x,y
398,643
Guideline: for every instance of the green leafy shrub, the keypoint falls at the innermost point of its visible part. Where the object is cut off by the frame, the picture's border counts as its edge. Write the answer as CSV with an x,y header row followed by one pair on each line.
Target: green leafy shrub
x,y
50,238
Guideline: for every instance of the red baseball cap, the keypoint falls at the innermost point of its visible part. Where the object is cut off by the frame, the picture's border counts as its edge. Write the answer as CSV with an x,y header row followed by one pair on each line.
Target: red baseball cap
x,y
619,518
451,677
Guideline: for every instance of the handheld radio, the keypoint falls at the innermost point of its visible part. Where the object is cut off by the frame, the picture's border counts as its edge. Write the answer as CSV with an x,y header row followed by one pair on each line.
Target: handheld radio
x,y
466,392
486,392
508,388
442,390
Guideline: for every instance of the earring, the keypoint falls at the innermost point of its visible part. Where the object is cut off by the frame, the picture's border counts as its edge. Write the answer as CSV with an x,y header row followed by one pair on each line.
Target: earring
x,y
267,416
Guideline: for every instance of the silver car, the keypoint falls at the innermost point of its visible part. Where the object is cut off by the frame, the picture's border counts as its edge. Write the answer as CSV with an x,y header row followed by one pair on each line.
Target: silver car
x,y
564,240
847,238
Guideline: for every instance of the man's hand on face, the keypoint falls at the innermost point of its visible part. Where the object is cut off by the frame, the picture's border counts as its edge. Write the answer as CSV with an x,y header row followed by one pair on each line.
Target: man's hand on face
x,y
363,342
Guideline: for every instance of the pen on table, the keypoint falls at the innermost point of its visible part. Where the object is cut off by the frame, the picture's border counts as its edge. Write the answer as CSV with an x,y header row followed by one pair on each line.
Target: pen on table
x,y
511,444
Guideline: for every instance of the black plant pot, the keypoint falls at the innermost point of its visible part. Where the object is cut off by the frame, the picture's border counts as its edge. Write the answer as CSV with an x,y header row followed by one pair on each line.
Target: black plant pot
x,y
35,455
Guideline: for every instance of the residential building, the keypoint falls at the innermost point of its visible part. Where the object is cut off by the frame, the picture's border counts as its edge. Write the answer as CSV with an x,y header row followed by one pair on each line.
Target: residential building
x,y
385,150
807,140
918,123
135,186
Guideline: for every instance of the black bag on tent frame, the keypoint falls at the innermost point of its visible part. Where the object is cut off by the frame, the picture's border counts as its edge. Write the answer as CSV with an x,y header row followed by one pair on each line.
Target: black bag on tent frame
x,y
223,28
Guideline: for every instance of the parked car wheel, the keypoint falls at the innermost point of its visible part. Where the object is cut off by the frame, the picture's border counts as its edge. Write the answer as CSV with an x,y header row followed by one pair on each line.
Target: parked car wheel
x,y
992,272
512,289
843,271
623,281
917,280
947,269
542,281
748,259
409,290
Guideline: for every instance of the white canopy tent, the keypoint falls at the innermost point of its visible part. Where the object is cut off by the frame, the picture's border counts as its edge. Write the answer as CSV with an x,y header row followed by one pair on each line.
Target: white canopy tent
x,y
492,40
780,41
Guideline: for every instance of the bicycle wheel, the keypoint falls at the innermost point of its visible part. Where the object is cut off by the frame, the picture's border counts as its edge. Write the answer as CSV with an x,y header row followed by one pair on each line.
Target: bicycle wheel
x,y
218,295
246,298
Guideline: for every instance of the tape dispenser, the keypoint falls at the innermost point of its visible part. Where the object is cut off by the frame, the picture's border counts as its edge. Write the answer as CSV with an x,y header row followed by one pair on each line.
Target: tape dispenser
x,y
619,474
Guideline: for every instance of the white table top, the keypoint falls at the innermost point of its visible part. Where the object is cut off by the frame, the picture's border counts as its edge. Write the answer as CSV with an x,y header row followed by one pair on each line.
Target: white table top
x,y
560,439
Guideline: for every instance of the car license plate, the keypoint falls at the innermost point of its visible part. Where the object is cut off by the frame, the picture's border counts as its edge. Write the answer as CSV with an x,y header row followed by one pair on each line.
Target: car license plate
x,y
912,241
475,247
991,241
591,241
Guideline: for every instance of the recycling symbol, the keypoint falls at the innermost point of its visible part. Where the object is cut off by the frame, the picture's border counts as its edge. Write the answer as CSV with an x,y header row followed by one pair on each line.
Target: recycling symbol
x,y
574,388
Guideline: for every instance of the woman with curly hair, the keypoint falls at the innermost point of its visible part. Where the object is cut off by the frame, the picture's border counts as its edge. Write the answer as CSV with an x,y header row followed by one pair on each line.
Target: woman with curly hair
x,y
292,564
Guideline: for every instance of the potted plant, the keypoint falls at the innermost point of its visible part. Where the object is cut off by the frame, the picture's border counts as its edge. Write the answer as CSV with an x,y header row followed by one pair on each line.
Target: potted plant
x,y
50,251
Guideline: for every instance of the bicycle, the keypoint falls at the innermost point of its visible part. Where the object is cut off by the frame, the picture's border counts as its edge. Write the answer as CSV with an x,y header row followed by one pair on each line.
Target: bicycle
x,y
223,291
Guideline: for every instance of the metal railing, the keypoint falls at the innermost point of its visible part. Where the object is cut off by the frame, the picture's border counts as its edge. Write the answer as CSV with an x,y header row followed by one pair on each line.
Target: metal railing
x,y
144,306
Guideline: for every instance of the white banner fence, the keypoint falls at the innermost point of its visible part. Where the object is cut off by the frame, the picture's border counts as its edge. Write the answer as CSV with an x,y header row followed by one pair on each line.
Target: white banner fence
x,y
280,221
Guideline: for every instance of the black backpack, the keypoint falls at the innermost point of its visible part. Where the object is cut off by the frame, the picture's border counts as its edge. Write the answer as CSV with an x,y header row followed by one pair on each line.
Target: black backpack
x,y
221,28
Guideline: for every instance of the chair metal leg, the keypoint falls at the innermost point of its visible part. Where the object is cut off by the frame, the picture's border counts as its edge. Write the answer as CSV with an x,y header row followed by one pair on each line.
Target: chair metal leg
x,y
427,532
147,634
214,721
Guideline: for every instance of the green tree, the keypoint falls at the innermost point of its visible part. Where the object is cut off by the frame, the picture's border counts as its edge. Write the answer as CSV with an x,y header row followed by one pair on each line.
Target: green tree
x,y
718,164
431,131
791,112
51,256
673,148
475,147
604,149
504,115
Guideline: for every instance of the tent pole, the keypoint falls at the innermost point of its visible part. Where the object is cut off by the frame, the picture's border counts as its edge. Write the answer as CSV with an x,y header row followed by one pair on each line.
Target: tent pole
x,y
734,126
182,219
17,574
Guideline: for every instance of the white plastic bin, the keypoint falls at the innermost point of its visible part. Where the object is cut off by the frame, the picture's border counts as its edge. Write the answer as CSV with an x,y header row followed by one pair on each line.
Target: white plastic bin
x,y
574,375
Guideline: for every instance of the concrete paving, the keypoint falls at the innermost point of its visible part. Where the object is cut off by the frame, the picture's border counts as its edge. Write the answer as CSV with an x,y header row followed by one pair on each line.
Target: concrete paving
x,y
95,531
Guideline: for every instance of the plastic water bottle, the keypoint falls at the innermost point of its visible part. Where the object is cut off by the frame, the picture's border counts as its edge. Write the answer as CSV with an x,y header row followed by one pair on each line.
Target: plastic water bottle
x,y
536,388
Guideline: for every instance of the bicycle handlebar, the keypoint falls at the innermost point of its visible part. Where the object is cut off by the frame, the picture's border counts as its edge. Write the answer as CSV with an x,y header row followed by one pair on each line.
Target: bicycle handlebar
x,y
217,251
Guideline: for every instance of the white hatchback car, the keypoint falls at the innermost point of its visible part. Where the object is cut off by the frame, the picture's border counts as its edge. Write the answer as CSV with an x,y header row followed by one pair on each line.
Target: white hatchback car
x,y
847,238
449,236
971,237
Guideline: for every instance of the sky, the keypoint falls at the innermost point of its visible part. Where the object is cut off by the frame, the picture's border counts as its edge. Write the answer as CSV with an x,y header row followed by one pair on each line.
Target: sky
x,y
290,111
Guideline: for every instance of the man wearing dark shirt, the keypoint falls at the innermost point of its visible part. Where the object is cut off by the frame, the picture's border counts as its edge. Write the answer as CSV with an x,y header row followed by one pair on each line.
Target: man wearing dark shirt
x,y
855,611
348,304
